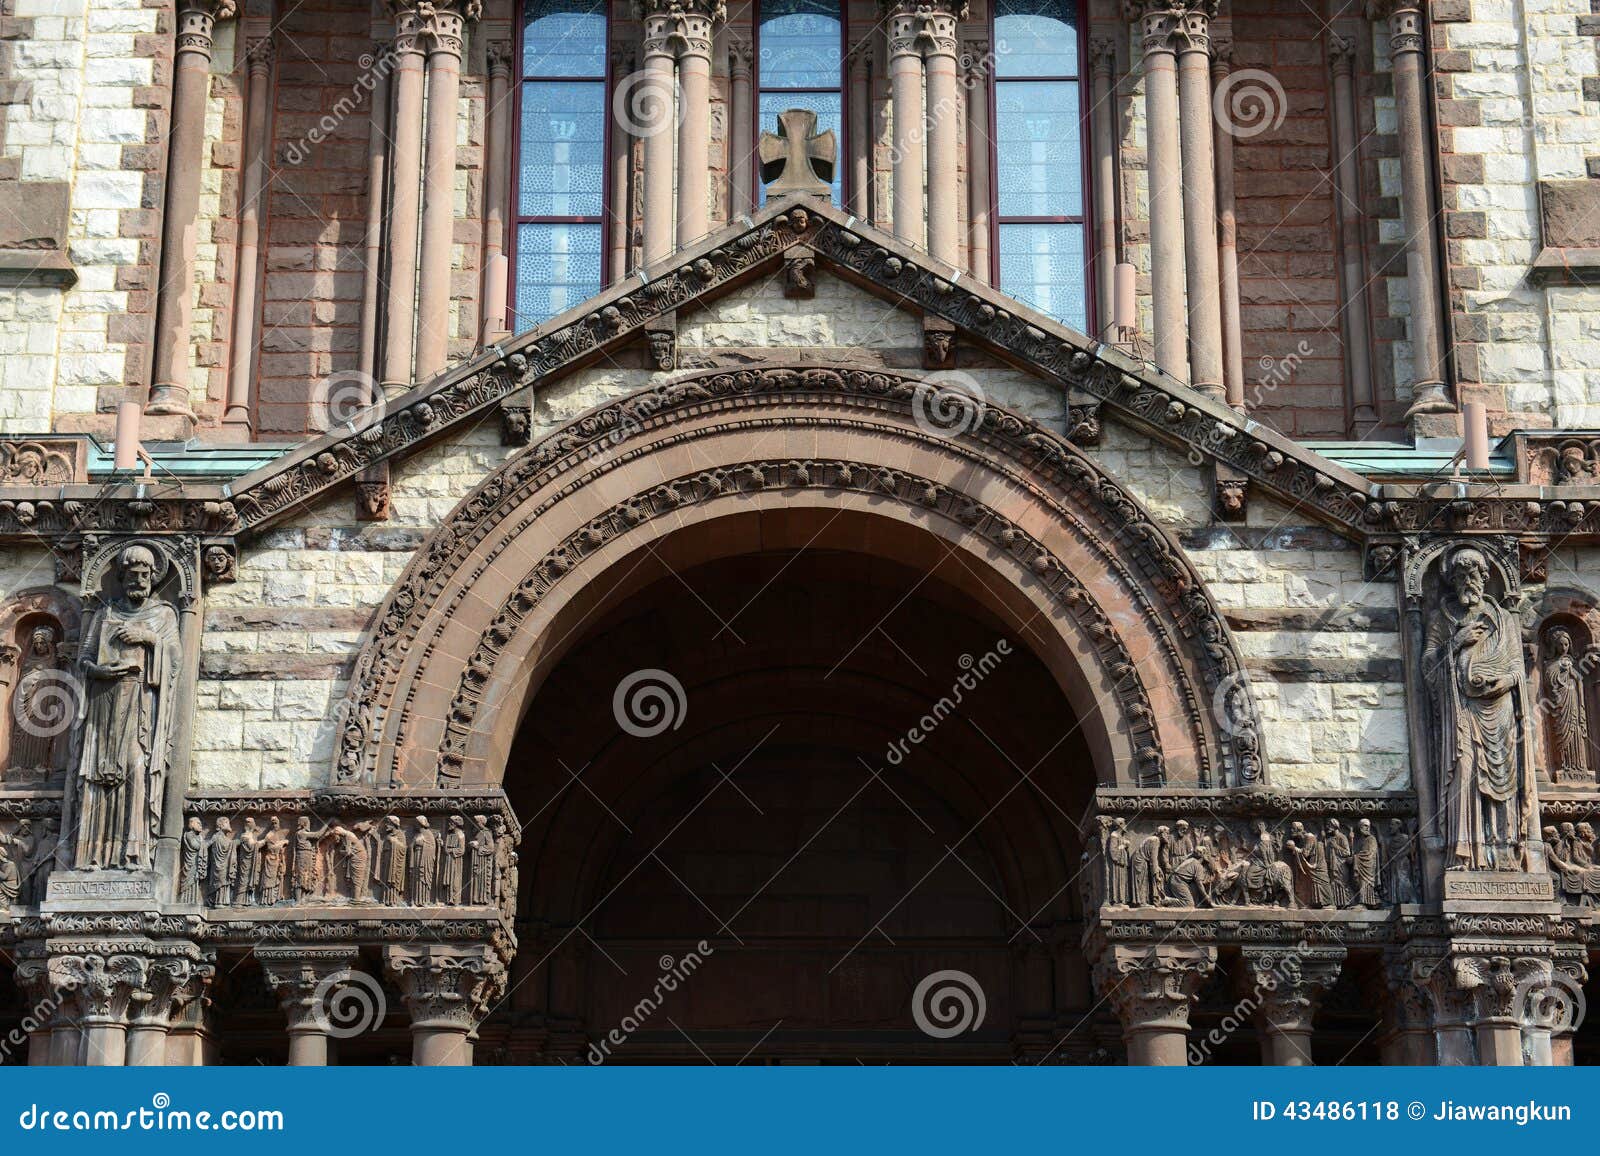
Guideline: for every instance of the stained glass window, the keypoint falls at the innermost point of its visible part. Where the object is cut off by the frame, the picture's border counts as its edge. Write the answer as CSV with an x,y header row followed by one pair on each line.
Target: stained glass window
x,y
561,148
1038,157
799,64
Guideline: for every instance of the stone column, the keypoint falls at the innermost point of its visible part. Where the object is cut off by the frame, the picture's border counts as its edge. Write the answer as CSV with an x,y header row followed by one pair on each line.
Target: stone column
x,y
659,101
860,142
448,990
378,128
1503,990
620,240
1200,199
1103,184
44,1009
247,261
1352,259
1152,989
944,121
399,313
103,987
170,985
1227,238
980,161
741,152
497,196
694,127
443,32
1452,1005
1406,1036
1164,173
304,978
186,146
1287,985
1407,43
905,80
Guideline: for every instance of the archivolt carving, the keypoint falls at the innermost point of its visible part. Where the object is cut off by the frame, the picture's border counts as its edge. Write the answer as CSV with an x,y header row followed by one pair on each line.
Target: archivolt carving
x,y
1029,456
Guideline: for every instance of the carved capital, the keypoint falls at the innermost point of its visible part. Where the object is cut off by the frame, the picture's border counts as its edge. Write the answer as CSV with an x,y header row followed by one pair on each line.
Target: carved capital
x,y
1102,55
500,59
1152,988
305,979
170,986
103,986
197,22
446,987
1503,988
259,56
1401,995
1288,983
740,57
1341,53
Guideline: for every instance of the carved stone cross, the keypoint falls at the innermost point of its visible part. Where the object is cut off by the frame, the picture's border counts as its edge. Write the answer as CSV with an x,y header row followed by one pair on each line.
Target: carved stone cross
x,y
797,158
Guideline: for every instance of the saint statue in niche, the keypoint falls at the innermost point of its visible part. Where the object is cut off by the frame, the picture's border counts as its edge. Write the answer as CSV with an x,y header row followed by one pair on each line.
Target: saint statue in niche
x,y
44,705
1569,715
129,666
1473,665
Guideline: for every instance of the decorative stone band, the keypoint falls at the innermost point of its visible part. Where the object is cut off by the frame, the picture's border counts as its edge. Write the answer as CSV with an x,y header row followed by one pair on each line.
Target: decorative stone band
x,y
295,856
1322,490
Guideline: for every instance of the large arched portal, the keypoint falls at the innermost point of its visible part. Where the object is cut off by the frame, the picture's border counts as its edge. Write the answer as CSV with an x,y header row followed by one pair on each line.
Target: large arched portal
x,y
860,775
811,569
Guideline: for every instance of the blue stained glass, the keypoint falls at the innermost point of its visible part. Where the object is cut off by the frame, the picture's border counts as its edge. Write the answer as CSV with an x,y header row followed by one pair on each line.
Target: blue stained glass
x,y
1035,38
564,38
563,149
1039,173
1044,266
800,44
558,266
827,105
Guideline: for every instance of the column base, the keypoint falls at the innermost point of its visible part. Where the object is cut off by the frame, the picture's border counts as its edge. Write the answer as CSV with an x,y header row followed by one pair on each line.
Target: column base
x,y
1429,397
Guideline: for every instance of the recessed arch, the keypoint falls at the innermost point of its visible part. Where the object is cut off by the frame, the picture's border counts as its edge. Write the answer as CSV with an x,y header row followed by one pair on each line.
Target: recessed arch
x,y
729,461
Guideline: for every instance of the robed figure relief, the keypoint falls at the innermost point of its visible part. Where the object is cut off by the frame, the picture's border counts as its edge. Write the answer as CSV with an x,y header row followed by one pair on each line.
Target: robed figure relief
x,y
130,665
1472,661
1566,710
42,707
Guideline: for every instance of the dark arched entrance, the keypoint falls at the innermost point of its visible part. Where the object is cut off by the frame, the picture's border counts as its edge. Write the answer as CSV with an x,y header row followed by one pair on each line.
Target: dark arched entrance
x,y
873,779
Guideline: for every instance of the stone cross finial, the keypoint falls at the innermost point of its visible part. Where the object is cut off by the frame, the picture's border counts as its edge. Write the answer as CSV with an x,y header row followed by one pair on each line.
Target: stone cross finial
x,y
797,158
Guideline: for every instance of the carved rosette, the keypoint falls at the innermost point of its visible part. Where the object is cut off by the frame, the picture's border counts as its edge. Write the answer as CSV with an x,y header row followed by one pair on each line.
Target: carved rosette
x,y
447,988
1152,988
1289,984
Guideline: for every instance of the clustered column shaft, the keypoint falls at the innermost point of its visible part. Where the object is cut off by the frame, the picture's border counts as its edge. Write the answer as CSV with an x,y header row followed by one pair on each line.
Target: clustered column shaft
x,y
927,109
443,31
676,91
1346,177
258,64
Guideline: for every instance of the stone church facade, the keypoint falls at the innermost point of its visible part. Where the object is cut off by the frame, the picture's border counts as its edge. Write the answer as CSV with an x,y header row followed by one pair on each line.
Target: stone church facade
x,y
798,531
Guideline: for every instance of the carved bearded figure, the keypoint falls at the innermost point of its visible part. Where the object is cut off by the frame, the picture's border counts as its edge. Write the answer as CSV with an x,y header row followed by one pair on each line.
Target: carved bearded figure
x,y
130,667
1472,661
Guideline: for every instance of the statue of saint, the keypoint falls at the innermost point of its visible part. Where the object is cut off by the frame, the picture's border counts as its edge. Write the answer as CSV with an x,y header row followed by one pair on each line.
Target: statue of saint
x,y
190,856
424,862
1118,863
1472,661
43,705
480,864
455,855
130,667
10,879
1364,866
274,862
1569,716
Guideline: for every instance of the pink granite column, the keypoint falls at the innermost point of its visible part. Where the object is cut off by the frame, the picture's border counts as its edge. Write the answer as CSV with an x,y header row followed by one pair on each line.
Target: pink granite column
x,y
1407,43
1152,989
1227,238
305,979
1352,259
980,160
186,145
655,98
1103,183
1200,199
905,79
448,990
694,125
620,234
1286,985
1164,174
247,260
741,117
860,134
444,30
399,313
944,121
497,196
377,197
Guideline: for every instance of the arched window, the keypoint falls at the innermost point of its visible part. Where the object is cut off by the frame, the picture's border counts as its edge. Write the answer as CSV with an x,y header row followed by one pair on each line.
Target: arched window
x,y
559,238
799,64
1038,158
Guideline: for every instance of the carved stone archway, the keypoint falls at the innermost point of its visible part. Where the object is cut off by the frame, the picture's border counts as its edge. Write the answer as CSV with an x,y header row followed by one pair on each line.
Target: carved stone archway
x,y
860,459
